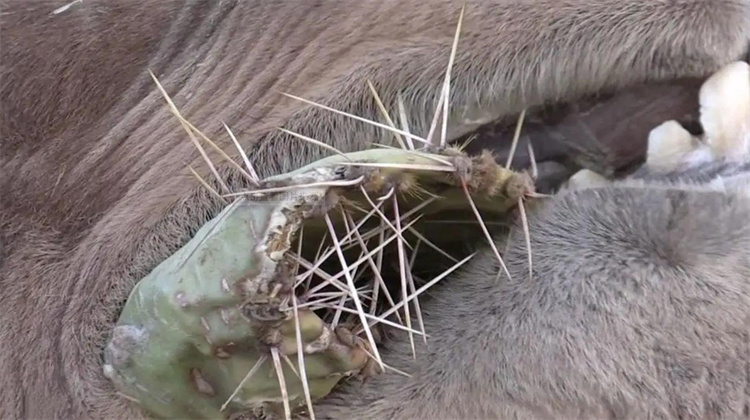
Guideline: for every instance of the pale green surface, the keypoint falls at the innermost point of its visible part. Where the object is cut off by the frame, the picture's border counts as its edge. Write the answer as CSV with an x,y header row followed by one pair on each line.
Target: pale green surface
x,y
188,306
177,330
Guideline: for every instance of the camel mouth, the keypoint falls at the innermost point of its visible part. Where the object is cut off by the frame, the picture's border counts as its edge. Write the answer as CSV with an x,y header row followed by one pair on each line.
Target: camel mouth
x,y
262,281
555,142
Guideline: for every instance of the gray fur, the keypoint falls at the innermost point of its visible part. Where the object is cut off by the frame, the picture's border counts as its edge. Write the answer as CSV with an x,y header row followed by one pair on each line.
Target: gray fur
x,y
95,190
638,308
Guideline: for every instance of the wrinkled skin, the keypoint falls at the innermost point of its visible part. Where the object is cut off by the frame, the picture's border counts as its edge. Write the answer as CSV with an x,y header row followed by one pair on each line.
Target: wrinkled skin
x,y
95,190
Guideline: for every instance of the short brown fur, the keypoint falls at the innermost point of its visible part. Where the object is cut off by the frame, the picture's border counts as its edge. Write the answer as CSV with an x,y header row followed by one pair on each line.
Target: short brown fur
x,y
94,187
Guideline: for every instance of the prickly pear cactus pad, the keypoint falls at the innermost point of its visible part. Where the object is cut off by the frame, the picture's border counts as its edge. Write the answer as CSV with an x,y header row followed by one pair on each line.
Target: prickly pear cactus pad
x,y
291,287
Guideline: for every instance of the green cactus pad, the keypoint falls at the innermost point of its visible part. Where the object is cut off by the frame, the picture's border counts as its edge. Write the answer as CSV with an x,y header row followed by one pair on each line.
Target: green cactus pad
x,y
202,319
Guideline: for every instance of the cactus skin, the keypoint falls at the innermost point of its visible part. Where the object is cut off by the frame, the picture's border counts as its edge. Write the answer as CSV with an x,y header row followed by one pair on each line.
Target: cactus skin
x,y
181,345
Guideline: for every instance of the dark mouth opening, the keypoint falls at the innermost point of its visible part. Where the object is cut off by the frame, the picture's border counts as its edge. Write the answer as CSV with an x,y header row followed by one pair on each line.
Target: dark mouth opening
x,y
607,133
